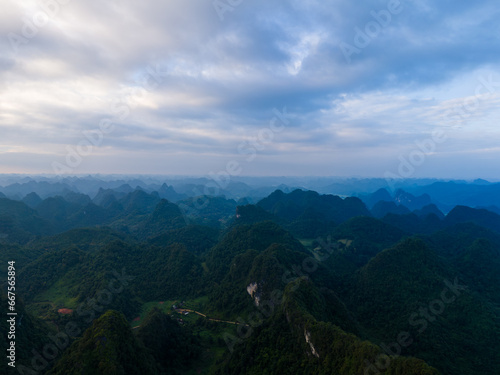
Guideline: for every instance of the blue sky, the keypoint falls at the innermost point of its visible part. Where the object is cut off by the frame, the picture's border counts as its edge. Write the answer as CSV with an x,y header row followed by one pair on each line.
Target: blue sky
x,y
372,88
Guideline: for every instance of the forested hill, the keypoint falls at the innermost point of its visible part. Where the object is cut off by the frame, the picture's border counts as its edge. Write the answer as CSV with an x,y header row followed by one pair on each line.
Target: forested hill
x,y
129,281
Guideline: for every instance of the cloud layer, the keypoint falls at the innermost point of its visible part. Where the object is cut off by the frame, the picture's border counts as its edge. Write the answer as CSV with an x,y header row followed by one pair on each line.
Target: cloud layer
x,y
188,87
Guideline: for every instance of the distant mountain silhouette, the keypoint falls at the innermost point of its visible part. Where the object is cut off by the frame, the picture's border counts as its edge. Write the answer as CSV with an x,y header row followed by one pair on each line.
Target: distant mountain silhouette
x,y
462,214
31,200
329,207
429,209
383,208
380,195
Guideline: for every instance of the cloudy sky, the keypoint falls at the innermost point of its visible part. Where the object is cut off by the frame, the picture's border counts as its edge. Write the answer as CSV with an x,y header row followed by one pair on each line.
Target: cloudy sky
x,y
309,87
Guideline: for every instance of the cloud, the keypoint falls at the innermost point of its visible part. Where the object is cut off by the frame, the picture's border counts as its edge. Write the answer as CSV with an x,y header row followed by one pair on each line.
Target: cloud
x,y
216,82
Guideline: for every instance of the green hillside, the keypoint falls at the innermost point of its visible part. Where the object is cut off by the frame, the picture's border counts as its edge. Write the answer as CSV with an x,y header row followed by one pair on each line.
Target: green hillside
x,y
299,284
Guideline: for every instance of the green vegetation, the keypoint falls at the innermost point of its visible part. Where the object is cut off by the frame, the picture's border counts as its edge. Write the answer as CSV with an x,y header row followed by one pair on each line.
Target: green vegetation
x,y
316,285
30,334
107,347
292,341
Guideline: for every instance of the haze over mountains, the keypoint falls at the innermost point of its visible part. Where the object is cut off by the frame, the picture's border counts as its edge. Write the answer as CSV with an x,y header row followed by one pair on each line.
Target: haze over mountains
x,y
445,193
137,275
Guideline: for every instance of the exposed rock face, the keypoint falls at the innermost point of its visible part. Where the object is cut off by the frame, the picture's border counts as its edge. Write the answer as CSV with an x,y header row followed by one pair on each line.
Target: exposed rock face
x,y
307,336
252,290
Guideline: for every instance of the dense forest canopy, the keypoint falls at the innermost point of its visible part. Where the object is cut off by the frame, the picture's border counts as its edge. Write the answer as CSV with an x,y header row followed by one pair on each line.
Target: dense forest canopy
x,y
298,282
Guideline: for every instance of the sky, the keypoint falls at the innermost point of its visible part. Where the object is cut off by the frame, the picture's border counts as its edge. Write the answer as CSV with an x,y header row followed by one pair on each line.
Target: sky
x,y
261,88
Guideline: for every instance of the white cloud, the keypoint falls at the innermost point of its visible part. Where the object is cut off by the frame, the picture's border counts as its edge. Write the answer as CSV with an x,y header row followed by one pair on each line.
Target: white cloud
x,y
221,80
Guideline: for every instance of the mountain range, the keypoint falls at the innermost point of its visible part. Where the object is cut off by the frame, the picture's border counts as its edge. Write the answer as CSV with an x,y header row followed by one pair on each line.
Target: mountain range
x,y
127,281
